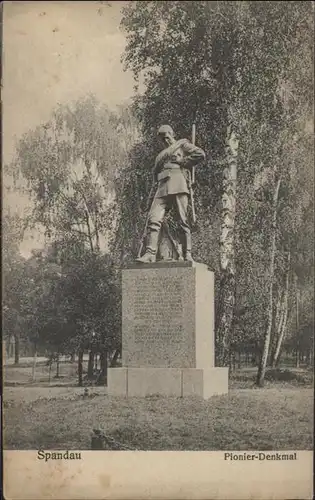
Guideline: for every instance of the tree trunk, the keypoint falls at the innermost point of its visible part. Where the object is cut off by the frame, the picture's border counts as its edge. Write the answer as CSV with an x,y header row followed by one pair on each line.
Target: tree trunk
x,y
263,360
104,365
277,327
297,360
281,335
90,365
310,357
246,359
87,219
72,359
9,347
49,376
297,325
34,364
96,362
80,368
57,366
283,318
97,235
239,360
16,349
114,359
231,355
227,257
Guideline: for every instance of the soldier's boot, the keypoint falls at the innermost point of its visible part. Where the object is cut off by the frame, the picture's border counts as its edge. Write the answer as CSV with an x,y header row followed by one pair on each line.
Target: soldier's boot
x,y
188,256
187,248
150,252
148,257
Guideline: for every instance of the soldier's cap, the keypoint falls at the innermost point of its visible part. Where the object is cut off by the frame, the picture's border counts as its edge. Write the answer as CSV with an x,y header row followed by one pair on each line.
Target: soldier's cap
x,y
164,129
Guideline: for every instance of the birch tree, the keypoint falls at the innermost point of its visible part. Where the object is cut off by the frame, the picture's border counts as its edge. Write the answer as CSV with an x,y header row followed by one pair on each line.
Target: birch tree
x,y
227,246
281,324
68,166
265,353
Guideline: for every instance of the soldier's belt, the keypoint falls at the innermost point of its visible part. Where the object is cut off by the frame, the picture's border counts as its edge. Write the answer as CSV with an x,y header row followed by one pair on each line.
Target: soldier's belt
x,y
171,166
165,174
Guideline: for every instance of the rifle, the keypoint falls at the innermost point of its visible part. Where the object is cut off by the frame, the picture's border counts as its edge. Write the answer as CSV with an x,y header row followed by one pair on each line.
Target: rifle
x,y
192,178
146,222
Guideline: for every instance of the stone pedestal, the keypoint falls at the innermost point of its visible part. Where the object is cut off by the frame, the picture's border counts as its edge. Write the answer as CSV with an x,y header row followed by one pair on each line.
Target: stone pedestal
x,y
167,333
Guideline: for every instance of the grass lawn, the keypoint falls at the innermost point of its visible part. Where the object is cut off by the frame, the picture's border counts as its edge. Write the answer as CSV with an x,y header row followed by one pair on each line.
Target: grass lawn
x,y
62,418
53,413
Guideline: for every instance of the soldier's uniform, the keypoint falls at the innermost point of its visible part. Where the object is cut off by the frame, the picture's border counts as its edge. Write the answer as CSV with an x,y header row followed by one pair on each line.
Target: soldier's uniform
x,y
172,172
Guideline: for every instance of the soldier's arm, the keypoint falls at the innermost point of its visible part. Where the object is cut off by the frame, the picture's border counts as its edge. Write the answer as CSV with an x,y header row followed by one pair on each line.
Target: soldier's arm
x,y
192,155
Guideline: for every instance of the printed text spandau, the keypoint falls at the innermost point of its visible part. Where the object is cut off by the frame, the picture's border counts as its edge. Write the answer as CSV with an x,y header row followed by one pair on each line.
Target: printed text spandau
x,y
64,455
261,456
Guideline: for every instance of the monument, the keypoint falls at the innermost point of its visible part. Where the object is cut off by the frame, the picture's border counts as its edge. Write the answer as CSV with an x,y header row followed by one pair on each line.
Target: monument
x,y
168,345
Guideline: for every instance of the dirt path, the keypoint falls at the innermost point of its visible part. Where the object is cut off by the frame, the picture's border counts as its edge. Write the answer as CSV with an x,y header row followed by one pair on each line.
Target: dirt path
x,y
29,394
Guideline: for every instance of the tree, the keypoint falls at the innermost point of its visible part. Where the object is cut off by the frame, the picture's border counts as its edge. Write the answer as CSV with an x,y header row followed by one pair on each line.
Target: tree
x,y
69,165
281,318
264,357
294,107
14,284
72,303
235,64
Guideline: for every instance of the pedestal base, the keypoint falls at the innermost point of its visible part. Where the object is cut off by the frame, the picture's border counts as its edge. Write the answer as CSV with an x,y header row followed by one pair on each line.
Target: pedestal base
x,y
178,382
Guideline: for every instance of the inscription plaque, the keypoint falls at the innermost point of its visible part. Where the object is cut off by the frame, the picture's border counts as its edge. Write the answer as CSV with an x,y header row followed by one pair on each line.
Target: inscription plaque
x,y
158,311
159,317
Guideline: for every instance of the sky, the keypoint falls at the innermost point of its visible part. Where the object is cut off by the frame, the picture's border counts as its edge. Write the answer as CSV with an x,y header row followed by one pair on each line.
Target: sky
x,y
56,52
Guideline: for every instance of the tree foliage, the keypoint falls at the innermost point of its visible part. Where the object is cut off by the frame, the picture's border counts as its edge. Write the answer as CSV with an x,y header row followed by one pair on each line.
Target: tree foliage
x,y
69,165
245,65
69,303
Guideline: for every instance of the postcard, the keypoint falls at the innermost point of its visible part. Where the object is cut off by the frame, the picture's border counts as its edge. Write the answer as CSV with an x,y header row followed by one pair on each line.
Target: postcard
x,y
158,242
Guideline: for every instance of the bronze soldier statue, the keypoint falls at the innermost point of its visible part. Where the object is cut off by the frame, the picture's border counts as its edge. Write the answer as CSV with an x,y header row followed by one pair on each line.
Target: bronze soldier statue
x,y
172,172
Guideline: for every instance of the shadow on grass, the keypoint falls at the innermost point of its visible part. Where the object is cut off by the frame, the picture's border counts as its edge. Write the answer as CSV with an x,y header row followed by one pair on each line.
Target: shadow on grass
x,y
13,366
246,379
40,383
300,378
